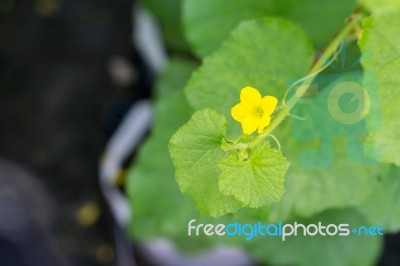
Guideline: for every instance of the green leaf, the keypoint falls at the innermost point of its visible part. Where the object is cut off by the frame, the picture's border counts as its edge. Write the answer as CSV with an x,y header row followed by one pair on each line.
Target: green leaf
x,y
255,181
264,54
195,150
380,46
320,250
208,23
383,207
380,6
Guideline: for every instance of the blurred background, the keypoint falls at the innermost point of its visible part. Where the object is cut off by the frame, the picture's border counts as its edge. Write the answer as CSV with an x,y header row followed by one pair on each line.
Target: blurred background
x,y
68,73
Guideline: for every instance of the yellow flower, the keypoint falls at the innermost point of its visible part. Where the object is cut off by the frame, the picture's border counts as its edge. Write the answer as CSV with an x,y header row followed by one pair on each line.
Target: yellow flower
x,y
253,112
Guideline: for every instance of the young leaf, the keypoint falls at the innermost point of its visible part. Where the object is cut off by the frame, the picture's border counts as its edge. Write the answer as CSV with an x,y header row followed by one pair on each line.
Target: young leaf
x,y
195,150
257,180
380,46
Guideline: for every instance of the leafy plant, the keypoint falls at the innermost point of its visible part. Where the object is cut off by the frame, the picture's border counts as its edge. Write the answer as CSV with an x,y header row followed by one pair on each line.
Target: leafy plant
x,y
317,166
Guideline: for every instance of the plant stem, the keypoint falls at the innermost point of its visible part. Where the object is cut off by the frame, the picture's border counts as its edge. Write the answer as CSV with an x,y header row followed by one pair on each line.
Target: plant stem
x,y
317,67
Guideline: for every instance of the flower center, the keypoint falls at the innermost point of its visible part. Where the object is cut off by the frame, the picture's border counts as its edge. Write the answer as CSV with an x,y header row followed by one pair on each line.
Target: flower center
x,y
259,112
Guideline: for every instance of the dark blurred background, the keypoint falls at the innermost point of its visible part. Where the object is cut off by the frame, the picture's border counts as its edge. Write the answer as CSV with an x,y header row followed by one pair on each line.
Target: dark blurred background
x,y
68,72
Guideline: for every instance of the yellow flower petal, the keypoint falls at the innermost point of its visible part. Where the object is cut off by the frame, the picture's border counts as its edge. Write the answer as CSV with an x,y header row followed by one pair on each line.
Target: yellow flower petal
x,y
250,124
268,104
263,122
250,96
254,112
240,111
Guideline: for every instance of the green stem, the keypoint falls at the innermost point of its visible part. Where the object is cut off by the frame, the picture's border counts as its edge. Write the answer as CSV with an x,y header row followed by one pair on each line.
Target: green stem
x,y
317,67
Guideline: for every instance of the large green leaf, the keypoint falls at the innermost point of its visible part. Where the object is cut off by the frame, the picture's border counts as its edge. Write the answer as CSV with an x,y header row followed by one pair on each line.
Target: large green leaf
x,y
380,46
264,54
255,181
383,207
208,22
321,250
